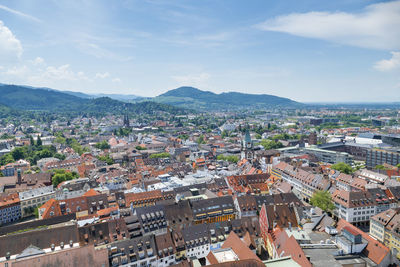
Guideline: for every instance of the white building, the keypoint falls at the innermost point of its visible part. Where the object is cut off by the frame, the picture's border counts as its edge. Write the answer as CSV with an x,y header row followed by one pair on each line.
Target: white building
x,y
35,198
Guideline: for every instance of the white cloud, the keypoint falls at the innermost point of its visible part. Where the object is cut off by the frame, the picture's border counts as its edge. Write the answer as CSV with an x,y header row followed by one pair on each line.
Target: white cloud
x,y
30,74
17,71
62,72
102,75
37,61
199,79
10,46
377,26
388,64
116,80
19,13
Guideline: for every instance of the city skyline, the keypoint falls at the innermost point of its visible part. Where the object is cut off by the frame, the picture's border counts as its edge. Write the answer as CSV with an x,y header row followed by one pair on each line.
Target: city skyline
x,y
347,51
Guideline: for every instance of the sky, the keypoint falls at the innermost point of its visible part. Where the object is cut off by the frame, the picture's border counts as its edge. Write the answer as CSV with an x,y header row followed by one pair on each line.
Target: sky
x,y
309,50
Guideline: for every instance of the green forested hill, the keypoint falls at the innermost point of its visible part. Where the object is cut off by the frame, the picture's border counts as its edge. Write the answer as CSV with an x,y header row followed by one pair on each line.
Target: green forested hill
x,y
16,97
191,97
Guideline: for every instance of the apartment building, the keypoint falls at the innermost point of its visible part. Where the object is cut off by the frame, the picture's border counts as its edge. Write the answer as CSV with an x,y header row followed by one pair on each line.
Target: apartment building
x,y
10,208
33,198
385,227
357,207
304,183
381,156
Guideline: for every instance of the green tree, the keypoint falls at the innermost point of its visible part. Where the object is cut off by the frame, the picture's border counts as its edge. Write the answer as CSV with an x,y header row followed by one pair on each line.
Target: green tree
x,y
36,212
60,156
380,167
74,144
18,153
7,158
270,144
62,175
6,136
140,148
183,136
201,140
31,141
60,140
323,200
107,159
38,141
102,145
343,167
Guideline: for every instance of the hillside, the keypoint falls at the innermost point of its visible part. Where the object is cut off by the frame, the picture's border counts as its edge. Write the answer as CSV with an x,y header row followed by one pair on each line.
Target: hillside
x,y
14,97
120,97
26,98
194,98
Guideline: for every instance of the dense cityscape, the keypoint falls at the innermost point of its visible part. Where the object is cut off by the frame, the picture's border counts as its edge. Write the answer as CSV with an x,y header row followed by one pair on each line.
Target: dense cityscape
x,y
155,133
288,187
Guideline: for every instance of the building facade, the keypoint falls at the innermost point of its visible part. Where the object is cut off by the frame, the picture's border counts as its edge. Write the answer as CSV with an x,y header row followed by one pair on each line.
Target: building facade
x,y
35,198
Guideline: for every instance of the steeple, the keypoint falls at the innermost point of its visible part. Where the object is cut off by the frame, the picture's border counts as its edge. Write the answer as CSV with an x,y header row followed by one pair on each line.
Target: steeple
x,y
126,120
247,146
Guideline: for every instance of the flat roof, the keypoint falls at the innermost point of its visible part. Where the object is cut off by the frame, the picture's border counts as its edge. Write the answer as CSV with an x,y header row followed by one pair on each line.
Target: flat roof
x,y
225,255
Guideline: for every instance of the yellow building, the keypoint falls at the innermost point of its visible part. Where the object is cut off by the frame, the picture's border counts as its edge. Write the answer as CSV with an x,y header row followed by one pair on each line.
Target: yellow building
x,y
213,210
385,227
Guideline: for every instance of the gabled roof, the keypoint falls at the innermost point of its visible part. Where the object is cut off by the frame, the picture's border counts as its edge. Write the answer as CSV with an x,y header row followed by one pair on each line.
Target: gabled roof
x,y
51,205
239,247
288,246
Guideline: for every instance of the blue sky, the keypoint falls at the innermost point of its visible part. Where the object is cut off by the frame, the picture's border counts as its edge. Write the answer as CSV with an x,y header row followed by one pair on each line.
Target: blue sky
x,y
309,50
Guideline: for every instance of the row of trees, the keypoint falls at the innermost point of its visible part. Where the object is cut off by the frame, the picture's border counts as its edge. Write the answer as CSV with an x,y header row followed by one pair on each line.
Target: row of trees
x,y
271,144
31,154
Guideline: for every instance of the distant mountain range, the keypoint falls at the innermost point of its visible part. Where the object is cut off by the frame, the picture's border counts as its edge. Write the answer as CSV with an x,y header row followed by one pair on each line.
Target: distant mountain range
x,y
120,97
15,97
190,97
175,101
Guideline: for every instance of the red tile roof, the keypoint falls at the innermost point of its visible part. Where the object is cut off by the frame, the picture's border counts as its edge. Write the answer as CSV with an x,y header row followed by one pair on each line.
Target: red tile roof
x,y
288,246
239,247
48,207
91,192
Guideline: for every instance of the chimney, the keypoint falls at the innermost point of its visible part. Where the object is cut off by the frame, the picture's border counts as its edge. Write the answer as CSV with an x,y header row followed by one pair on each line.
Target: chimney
x,y
19,176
